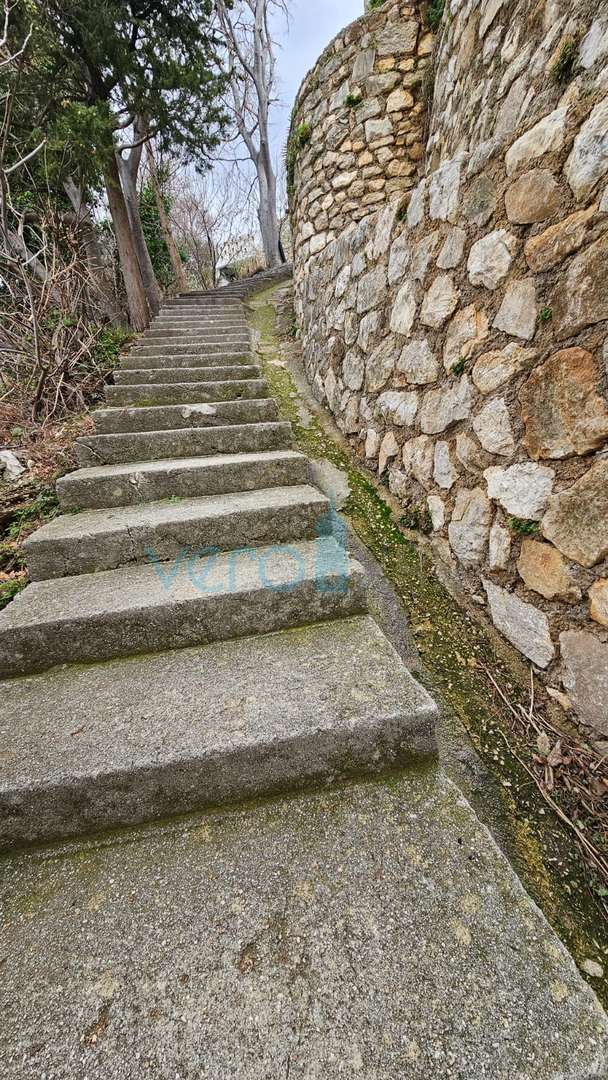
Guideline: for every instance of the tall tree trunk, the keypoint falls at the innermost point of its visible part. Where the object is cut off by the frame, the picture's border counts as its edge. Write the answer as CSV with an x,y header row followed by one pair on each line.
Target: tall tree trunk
x,y
102,281
128,169
176,262
139,314
267,214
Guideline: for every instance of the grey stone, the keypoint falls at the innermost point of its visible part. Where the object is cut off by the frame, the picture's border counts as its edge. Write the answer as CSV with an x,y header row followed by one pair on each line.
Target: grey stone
x,y
367,329
422,255
594,45
577,518
389,448
404,309
490,258
444,199
186,442
494,368
398,407
397,38
186,393
380,365
522,489
352,370
418,457
517,315
588,161
332,481
442,408
470,526
416,205
364,64
371,290
418,362
585,660
499,547
465,332
481,203
444,473
580,298
522,624
440,301
470,454
196,414
399,258
453,249
10,466
546,136
436,507
493,428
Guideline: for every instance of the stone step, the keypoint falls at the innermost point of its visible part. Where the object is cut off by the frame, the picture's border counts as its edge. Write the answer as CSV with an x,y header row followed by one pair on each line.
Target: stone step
x,y
199,373
185,393
199,324
185,442
172,417
107,539
187,356
144,609
192,335
204,727
130,485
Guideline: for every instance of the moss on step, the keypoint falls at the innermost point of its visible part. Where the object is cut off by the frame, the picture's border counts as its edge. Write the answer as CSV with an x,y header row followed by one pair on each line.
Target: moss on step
x,y
455,647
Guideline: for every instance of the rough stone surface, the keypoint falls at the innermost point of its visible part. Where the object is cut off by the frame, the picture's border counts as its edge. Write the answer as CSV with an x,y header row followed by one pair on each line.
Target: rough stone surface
x,y
547,135
588,162
380,365
440,302
404,309
576,520
563,412
453,249
436,507
389,448
581,297
444,473
444,191
482,201
535,196
418,363
442,408
465,332
543,569
493,428
551,247
398,407
418,458
523,625
470,526
517,313
490,258
585,660
494,368
598,595
523,489
470,454
499,547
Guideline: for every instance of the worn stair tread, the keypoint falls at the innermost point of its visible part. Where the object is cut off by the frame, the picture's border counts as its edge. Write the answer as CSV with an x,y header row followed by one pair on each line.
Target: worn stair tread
x,y
120,536
148,394
202,742
183,442
186,355
198,373
148,481
197,414
150,608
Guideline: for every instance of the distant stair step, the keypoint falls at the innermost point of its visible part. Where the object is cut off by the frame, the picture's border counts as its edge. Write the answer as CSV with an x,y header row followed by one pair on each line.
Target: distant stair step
x,y
195,415
197,373
121,613
121,536
185,442
177,393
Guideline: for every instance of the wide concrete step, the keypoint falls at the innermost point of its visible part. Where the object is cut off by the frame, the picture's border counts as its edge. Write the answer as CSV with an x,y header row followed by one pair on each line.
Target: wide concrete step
x,y
149,481
187,334
187,356
199,326
215,372
185,442
106,539
192,601
184,393
172,417
217,729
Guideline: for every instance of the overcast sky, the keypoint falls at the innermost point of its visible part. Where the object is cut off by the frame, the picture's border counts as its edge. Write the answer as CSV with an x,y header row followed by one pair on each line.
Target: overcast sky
x,y
312,25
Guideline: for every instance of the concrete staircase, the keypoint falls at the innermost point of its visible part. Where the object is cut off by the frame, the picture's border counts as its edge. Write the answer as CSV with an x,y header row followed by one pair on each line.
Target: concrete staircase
x,y
178,651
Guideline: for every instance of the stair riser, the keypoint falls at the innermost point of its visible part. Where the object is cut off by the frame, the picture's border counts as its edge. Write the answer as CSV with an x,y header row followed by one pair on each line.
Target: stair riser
x,y
186,355
173,417
172,625
113,549
192,335
186,393
196,442
187,481
213,373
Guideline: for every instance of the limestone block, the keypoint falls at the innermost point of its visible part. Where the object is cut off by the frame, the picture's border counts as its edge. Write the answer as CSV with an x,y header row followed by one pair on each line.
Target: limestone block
x,y
469,527
453,249
585,660
588,161
563,412
418,457
494,368
372,290
546,136
544,570
481,203
404,309
367,329
581,296
399,100
493,428
378,129
444,472
353,368
399,258
389,448
551,247
440,302
444,199
380,365
398,407
523,489
535,196
489,11
372,443
446,406
342,281
499,547
422,255
470,454
522,624
436,507
466,331
415,210
350,419
490,258
363,65
418,362
576,520
517,315
397,38
598,595
317,243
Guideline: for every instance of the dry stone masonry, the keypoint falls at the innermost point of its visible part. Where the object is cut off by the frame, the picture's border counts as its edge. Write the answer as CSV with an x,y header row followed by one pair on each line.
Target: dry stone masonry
x,y
450,223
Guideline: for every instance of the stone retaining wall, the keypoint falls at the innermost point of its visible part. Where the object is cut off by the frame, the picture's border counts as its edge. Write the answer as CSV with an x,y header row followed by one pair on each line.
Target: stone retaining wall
x,y
450,225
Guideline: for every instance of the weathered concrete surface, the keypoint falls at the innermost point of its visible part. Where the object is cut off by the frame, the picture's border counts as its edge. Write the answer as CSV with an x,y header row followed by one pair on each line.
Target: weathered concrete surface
x,y
198,414
206,354
373,931
167,393
227,722
128,485
105,539
187,374
185,442
142,609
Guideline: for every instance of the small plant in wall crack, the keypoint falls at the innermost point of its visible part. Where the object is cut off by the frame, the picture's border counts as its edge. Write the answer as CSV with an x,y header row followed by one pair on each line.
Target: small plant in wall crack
x,y
545,314
417,517
458,367
375,4
352,101
523,526
300,138
434,14
563,68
